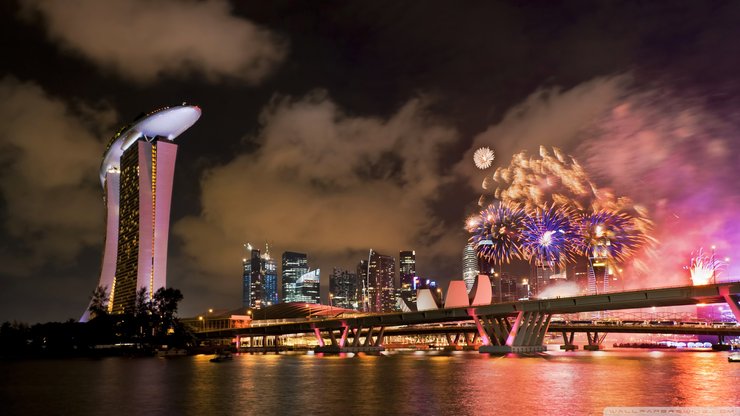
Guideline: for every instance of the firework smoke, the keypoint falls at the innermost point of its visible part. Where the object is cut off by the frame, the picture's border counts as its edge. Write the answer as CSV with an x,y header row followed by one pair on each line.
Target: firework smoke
x,y
678,156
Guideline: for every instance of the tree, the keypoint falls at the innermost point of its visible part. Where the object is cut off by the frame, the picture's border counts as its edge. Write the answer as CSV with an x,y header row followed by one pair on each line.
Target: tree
x,y
143,303
99,302
165,306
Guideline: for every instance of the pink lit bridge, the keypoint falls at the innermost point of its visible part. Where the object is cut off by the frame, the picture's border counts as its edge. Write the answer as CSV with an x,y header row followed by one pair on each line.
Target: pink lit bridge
x,y
499,327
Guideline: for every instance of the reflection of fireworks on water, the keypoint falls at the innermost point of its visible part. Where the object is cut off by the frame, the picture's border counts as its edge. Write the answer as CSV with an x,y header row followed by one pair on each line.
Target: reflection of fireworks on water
x,y
548,236
704,268
610,235
496,232
483,158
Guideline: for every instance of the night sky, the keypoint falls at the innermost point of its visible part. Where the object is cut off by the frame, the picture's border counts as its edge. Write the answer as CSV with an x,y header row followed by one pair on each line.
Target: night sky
x,y
334,127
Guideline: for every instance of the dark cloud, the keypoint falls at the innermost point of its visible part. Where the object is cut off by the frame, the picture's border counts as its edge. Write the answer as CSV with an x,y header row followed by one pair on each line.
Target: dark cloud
x,y
145,40
326,183
548,117
47,156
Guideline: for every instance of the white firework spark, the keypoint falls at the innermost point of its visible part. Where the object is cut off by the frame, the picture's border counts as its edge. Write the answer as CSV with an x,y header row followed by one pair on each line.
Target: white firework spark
x,y
483,158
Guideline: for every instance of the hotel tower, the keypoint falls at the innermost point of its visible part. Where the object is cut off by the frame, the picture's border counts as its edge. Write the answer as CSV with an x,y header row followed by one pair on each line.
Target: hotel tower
x,y
136,175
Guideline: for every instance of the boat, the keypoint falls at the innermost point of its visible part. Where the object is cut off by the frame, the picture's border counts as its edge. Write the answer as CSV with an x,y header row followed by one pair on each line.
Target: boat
x,y
734,358
222,356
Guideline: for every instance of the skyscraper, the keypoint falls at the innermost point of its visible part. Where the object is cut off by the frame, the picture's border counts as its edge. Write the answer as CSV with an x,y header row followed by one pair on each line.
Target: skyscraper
x,y
137,175
308,287
362,283
470,265
259,279
381,282
252,290
598,271
407,273
269,268
295,265
344,289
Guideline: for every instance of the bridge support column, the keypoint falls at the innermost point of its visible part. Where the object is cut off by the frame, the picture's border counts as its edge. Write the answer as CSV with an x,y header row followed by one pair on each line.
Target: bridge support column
x,y
595,341
731,301
526,334
340,344
568,344
453,343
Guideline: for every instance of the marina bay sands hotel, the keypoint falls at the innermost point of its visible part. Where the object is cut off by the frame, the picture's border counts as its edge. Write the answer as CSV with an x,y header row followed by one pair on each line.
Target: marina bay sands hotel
x,y
136,175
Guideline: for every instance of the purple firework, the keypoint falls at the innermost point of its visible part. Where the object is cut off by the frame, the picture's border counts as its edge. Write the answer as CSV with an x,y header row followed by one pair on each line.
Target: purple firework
x,y
549,237
607,234
496,232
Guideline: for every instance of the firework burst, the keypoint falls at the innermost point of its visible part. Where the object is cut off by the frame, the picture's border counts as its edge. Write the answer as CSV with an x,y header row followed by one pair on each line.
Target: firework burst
x,y
496,232
609,235
548,236
703,268
556,179
483,158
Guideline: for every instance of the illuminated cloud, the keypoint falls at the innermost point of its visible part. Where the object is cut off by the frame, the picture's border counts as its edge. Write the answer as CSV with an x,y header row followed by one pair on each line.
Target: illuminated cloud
x,y
143,40
671,153
548,117
49,155
325,183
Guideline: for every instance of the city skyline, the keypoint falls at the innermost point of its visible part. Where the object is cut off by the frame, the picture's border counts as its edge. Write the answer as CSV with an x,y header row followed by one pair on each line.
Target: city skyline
x,y
336,128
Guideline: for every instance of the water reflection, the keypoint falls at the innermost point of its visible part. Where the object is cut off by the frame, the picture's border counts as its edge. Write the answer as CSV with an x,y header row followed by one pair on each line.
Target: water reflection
x,y
403,383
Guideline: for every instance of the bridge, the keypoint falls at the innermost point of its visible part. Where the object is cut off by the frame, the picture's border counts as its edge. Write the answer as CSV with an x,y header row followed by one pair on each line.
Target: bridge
x,y
501,327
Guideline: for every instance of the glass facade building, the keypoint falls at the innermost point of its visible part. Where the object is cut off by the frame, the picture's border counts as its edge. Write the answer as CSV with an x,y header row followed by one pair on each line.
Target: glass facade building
x,y
344,289
407,276
308,287
252,290
295,265
381,288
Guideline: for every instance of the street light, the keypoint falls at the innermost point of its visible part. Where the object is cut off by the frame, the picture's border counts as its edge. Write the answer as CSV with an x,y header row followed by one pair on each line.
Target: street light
x,y
208,314
202,324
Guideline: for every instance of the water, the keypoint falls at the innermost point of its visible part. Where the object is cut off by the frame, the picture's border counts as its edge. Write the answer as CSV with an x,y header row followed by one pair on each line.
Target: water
x,y
580,383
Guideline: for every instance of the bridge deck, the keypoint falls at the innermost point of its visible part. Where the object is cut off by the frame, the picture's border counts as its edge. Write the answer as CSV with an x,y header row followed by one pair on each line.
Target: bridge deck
x,y
673,296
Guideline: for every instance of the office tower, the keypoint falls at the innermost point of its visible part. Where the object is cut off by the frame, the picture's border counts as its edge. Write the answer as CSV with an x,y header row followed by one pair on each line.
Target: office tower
x,y
364,298
308,287
252,281
295,265
344,289
470,265
541,279
381,282
270,278
508,288
407,275
137,174
524,291
598,273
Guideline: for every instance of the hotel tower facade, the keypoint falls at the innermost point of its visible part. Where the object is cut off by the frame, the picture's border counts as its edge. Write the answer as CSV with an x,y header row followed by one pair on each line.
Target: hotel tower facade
x,y
136,175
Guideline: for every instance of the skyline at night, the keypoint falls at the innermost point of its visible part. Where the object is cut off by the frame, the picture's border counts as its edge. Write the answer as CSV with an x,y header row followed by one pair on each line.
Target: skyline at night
x,y
330,129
